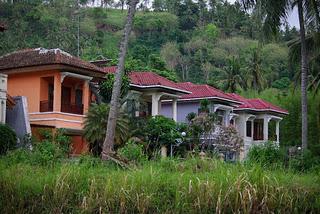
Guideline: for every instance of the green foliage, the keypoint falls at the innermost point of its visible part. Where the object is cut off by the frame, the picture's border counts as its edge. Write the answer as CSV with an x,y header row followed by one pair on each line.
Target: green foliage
x,y
282,83
305,161
204,105
191,116
58,137
8,139
107,85
95,126
211,32
200,125
133,151
161,130
156,187
46,153
267,155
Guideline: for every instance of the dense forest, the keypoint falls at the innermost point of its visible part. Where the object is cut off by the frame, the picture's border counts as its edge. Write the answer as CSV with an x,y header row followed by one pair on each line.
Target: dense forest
x,y
204,41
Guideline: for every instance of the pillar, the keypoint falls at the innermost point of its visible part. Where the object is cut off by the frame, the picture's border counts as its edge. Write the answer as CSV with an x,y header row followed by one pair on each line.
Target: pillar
x,y
57,93
156,105
174,110
86,96
227,118
278,131
3,97
266,128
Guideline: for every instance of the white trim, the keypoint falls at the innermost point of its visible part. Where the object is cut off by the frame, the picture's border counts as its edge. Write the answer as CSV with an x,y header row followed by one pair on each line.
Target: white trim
x,y
221,107
79,76
218,98
160,86
55,119
261,110
56,112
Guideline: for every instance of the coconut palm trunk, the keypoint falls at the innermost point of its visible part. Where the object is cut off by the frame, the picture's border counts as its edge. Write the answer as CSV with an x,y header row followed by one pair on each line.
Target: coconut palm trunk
x,y
304,78
108,143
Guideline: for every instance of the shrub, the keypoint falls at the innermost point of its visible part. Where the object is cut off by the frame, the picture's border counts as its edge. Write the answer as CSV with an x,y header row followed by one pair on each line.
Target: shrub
x,y
304,161
161,130
46,153
133,152
266,155
8,139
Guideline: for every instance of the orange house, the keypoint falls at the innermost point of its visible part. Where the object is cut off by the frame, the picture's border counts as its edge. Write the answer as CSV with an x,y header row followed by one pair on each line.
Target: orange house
x,y
57,87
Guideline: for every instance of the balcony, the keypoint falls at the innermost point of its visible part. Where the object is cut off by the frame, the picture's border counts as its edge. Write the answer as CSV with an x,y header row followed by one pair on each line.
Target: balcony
x,y
72,108
47,106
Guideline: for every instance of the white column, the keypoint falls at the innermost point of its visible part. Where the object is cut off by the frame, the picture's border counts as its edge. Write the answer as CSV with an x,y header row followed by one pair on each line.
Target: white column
x,y
266,120
156,104
174,110
278,131
3,97
227,118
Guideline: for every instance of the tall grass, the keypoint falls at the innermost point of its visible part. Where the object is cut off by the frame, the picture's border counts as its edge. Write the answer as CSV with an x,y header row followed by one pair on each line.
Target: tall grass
x,y
169,186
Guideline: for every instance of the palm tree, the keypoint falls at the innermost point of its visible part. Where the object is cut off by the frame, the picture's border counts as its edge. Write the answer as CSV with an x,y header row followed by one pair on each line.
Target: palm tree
x,y
232,76
108,143
273,12
95,126
254,72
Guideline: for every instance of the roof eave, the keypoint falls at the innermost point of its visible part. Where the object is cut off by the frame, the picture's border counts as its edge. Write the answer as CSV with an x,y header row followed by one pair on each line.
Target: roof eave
x,y
160,86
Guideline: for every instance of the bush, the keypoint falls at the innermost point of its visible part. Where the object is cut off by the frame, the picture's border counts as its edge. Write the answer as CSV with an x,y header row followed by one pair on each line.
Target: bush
x,y
133,152
46,153
8,139
305,161
266,155
161,130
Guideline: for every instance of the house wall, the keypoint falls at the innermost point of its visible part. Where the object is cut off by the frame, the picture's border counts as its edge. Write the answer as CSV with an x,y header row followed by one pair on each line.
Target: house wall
x,y
183,109
29,85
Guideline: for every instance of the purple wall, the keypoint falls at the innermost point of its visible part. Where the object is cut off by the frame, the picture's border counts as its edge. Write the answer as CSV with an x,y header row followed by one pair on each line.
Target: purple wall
x,y
183,108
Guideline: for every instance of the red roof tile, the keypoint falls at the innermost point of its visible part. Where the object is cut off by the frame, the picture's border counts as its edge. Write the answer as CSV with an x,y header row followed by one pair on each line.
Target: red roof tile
x,y
148,79
109,69
42,56
204,91
152,79
257,105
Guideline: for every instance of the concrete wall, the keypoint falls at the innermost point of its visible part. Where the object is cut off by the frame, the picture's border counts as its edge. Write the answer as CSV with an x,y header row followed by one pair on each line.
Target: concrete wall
x,y
18,119
28,85
184,108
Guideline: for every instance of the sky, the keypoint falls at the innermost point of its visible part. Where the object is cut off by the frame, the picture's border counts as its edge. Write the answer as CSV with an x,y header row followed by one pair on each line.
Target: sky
x,y
293,19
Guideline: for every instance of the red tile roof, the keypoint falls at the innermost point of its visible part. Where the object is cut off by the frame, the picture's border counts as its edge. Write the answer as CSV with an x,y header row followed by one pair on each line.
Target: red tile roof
x,y
150,79
204,91
257,105
42,56
110,69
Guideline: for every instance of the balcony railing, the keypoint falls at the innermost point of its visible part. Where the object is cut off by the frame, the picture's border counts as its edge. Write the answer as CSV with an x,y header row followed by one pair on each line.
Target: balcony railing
x,y
72,108
47,106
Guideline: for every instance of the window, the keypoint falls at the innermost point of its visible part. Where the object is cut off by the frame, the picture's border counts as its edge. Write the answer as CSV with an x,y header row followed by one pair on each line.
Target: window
x,y
249,128
258,130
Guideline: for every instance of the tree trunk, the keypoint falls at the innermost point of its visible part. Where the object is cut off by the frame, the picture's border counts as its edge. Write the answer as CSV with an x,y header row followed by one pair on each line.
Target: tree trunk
x,y
304,79
108,143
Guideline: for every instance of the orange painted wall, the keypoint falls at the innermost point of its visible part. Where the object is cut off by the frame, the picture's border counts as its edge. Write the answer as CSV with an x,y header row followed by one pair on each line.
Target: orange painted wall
x,y
28,84
79,145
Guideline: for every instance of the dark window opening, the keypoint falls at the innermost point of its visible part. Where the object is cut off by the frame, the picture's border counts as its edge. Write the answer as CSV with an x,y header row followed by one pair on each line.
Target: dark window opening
x,y
258,130
249,129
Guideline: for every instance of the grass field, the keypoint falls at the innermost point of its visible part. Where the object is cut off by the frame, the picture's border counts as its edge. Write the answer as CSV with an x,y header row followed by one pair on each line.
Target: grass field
x,y
169,186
